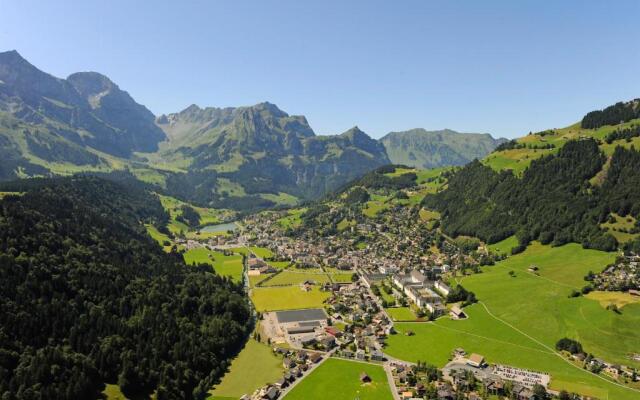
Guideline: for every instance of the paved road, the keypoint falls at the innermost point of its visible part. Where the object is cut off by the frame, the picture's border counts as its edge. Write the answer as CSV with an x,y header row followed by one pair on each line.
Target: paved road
x,y
392,383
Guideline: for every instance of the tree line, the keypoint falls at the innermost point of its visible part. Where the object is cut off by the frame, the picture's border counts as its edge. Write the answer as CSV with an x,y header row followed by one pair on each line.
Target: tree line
x,y
553,202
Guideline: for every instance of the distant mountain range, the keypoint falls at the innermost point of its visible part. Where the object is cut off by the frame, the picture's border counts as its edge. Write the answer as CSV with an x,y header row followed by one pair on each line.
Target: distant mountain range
x,y
242,158
420,148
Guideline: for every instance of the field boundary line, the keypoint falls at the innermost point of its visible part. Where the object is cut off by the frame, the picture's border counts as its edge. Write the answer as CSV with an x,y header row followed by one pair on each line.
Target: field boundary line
x,y
556,353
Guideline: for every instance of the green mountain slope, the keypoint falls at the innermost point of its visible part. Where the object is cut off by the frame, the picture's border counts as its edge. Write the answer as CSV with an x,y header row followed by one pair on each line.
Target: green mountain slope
x,y
260,151
555,186
420,148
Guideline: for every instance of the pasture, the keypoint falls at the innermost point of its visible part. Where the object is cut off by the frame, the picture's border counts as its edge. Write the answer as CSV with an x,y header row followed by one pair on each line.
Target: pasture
x,y
287,298
255,366
504,246
401,314
223,265
338,379
526,314
296,278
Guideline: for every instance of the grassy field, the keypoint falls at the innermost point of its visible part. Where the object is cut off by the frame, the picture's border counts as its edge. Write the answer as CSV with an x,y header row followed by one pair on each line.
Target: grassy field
x,y
158,236
296,278
523,333
292,220
620,299
618,228
504,246
401,314
258,251
255,366
339,379
373,207
519,159
287,298
230,266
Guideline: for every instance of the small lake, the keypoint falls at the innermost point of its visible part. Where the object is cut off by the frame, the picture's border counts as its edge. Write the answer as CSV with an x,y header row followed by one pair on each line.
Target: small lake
x,y
229,226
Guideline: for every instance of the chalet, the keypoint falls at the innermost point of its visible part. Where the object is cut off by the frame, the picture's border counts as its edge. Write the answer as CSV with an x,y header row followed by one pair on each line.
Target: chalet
x,y
364,378
475,360
457,313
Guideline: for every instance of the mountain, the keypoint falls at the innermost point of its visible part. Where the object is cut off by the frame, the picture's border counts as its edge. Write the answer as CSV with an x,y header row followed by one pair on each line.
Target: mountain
x,y
244,158
420,148
73,120
261,152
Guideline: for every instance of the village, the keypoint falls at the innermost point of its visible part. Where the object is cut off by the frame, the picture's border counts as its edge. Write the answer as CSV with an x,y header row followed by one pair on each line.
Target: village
x,y
395,271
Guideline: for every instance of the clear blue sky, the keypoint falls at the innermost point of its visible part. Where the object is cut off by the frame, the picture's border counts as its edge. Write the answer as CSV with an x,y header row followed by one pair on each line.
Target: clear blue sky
x,y
504,67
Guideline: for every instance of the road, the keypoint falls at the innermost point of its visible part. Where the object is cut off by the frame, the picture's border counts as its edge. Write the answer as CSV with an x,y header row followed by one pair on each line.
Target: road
x,y
286,390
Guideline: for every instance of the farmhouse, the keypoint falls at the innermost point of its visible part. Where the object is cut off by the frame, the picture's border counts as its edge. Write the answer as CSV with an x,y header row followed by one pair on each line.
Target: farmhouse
x,y
457,313
475,360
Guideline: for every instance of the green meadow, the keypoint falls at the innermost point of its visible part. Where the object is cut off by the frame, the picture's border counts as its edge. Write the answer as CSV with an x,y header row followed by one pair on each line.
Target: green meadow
x,y
287,298
401,314
296,278
339,379
504,246
526,314
230,266
255,366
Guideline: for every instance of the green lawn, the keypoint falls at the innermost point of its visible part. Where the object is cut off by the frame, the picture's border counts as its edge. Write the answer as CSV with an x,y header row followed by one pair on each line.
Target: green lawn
x,y
504,246
287,298
296,278
540,307
230,266
339,379
401,314
255,366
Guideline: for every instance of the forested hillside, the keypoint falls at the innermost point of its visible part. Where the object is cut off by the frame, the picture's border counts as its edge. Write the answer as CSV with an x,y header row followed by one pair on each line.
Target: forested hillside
x,y
557,200
87,298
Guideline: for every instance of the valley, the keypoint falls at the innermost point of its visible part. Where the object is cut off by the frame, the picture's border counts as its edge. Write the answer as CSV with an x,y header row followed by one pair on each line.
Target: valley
x,y
233,253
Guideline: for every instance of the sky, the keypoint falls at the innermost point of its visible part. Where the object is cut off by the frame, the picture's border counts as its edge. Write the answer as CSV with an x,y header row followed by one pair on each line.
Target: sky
x,y
503,67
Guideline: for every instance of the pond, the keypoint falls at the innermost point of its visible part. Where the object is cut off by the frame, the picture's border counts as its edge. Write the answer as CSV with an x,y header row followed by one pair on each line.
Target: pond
x,y
229,226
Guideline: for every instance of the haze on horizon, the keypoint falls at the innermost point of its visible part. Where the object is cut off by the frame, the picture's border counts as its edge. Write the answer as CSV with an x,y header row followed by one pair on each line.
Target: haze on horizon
x,y
501,67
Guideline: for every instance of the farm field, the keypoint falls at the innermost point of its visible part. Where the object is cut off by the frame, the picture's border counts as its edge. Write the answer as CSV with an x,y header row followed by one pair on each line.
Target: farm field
x,y
255,366
401,314
534,325
296,278
340,380
230,266
287,298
